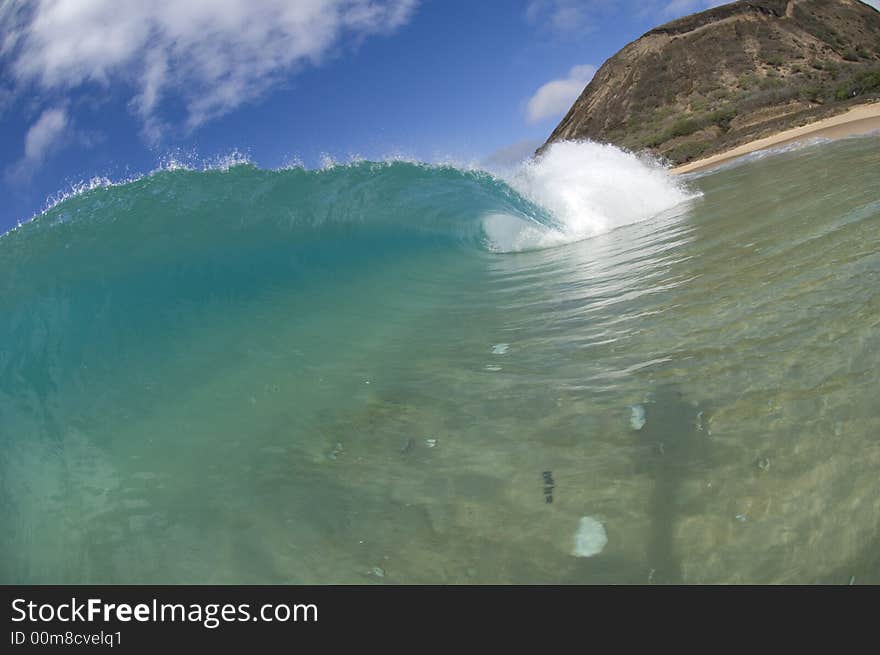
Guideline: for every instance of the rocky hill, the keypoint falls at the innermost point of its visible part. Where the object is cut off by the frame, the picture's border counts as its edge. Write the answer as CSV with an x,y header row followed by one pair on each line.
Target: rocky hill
x,y
713,80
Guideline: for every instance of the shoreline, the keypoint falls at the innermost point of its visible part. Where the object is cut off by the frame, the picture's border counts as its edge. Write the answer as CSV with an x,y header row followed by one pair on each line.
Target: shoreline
x,y
861,119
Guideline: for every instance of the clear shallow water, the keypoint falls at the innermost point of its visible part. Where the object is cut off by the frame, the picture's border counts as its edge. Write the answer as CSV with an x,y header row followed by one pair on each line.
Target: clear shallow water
x,y
336,377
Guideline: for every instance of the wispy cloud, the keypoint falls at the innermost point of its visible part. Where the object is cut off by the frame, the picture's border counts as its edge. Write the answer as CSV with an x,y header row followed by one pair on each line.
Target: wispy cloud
x,y
44,136
574,18
555,97
211,55
512,154
563,17
5,99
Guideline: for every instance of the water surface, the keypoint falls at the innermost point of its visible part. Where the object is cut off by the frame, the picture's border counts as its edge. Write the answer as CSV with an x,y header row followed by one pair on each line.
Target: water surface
x,y
362,375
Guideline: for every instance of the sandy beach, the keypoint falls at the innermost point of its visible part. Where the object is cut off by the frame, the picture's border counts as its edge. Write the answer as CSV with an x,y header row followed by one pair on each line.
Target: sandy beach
x,y
861,119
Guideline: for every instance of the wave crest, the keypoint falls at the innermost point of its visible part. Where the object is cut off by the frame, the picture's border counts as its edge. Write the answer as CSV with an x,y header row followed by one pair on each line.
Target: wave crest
x,y
588,188
575,190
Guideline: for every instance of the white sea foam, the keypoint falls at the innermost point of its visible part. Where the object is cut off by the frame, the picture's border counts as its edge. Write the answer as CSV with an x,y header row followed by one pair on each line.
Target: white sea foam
x,y
637,417
588,188
590,538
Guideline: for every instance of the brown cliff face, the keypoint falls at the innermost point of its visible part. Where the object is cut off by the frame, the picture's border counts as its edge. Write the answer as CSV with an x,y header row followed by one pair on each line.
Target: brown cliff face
x,y
708,82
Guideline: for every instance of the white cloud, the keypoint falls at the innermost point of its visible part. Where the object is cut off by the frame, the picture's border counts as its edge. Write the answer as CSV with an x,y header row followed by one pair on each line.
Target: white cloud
x,y
873,3
555,97
44,133
44,136
212,55
562,17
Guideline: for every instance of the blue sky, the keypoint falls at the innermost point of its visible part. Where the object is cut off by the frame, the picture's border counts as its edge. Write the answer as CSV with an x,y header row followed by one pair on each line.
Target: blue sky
x,y
114,88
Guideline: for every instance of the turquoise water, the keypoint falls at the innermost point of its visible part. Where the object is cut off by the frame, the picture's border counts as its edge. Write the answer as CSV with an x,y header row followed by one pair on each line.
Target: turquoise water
x,y
362,374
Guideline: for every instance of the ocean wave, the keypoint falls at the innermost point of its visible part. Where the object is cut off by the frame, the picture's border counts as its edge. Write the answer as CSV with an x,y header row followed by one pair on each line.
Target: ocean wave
x,y
573,191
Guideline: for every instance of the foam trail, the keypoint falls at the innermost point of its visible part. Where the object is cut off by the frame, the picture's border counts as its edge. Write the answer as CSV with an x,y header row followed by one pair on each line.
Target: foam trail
x,y
588,188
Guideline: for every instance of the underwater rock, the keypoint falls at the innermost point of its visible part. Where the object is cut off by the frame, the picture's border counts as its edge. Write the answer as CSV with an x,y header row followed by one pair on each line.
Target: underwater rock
x,y
549,486
338,450
590,538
